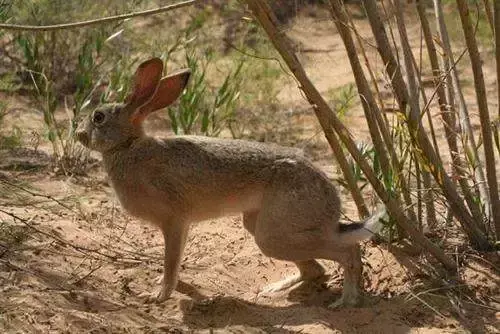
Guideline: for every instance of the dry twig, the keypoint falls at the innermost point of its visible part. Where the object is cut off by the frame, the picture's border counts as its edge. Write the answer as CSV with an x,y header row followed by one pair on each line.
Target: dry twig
x,y
109,19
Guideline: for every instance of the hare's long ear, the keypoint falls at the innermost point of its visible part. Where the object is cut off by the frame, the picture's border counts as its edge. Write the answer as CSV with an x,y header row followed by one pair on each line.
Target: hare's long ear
x,y
169,89
146,80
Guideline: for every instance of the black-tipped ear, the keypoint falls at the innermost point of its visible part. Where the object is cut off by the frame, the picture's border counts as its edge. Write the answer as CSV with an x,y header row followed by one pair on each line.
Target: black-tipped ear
x,y
146,80
169,89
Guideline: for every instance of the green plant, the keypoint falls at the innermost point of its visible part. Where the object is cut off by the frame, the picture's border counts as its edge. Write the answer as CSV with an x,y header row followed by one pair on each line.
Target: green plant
x,y
192,103
68,157
483,32
12,138
5,7
222,112
258,116
64,67
367,152
202,108
343,98
3,111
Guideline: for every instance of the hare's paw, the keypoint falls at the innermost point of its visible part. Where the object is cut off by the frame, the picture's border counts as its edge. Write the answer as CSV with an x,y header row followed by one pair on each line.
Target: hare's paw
x,y
163,295
157,297
346,302
281,285
339,303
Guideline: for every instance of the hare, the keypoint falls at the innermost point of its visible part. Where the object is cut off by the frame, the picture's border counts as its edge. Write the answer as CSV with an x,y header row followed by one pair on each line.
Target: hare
x,y
289,206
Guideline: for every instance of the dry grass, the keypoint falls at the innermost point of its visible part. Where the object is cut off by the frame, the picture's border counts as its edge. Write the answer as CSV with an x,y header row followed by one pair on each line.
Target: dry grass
x,y
72,261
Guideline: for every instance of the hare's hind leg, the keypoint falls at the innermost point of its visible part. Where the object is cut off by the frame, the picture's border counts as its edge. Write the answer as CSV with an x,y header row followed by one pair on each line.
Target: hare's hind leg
x,y
308,270
250,221
350,259
294,223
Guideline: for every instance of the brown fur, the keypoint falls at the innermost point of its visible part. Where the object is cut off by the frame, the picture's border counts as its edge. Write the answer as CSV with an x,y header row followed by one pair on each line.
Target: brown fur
x,y
290,207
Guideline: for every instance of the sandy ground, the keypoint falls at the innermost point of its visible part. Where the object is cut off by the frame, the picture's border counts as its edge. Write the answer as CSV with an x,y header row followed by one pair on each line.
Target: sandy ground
x,y
72,261
82,268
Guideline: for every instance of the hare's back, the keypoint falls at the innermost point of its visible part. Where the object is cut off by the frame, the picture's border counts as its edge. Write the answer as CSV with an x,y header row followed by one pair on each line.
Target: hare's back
x,y
238,150
223,161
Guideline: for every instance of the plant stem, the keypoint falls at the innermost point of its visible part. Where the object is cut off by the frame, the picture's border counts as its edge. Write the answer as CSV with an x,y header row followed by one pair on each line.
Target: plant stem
x,y
421,141
482,104
447,113
327,118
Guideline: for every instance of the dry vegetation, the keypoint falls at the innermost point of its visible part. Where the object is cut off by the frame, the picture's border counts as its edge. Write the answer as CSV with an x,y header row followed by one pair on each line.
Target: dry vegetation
x,y
420,140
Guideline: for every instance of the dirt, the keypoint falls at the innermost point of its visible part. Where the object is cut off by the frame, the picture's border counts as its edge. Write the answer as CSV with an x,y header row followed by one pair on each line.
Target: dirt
x,y
82,269
71,260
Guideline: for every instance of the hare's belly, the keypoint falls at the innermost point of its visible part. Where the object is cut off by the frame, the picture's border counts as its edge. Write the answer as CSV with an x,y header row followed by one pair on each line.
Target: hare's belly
x,y
220,205
146,203
143,208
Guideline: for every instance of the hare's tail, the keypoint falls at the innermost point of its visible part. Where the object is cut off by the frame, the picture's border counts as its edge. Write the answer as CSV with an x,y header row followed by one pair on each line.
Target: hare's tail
x,y
356,232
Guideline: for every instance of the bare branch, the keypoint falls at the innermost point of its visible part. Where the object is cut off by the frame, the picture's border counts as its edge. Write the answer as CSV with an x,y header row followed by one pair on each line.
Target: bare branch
x,y
121,17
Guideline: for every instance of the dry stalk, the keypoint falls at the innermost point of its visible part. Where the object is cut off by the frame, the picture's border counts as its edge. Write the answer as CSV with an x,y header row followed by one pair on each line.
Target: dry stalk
x,y
465,125
420,139
370,107
327,118
348,175
36,194
149,12
383,124
411,68
497,49
373,114
497,53
96,253
447,113
489,13
484,117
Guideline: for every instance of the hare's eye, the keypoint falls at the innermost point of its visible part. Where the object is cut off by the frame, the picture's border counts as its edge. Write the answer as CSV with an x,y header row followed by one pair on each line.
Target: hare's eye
x,y
98,117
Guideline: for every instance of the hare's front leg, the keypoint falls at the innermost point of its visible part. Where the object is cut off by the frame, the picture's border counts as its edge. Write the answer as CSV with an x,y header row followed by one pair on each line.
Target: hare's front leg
x,y
175,235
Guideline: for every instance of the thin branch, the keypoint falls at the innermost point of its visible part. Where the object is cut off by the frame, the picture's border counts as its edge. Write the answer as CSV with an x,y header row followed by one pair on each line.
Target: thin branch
x,y
331,138
465,124
327,119
375,121
8,26
411,112
84,250
256,56
447,109
439,314
484,117
35,194
489,14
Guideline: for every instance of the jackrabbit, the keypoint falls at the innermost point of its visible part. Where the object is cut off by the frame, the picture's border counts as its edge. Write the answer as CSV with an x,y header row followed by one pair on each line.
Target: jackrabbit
x,y
289,206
